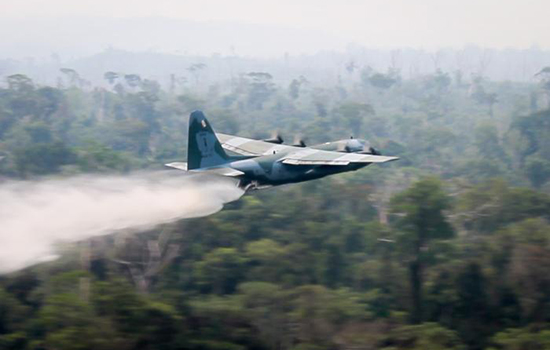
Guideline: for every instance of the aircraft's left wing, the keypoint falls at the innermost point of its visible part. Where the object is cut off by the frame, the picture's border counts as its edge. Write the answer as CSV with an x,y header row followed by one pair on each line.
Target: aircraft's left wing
x,y
310,156
249,147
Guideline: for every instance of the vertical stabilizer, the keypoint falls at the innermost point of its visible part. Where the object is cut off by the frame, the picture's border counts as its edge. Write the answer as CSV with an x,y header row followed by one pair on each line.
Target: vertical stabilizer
x,y
203,150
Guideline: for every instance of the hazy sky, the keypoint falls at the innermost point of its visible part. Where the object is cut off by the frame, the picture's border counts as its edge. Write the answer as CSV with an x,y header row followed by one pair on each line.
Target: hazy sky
x,y
380,23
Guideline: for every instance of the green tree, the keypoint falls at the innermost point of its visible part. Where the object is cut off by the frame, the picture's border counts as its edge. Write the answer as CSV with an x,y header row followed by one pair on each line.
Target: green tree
x,y
472,307
426,336
260,89
493,204
43,158
538,170
13,314
421,220
266,257
354,115
221,270
522,338
20,83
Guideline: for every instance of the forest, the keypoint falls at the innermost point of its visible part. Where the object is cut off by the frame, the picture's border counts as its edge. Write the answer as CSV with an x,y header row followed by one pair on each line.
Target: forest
x,y
447,248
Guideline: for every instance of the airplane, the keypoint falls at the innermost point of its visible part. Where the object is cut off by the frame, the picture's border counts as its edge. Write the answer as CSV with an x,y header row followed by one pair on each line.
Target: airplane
x,y
260,164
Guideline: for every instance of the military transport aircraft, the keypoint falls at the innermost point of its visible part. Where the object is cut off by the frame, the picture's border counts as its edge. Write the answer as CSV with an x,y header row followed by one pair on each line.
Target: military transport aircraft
x,y
260,164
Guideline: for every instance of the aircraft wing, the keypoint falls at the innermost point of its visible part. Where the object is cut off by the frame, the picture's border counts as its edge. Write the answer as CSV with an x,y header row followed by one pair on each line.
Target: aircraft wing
x,y
249,147
310,156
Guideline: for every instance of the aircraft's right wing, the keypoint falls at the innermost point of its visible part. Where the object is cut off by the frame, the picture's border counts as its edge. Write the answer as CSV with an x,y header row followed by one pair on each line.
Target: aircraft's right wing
x,y
310,156
249,147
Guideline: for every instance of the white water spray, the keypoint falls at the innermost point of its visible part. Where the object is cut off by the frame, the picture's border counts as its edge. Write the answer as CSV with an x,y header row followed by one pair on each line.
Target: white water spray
x,y
34,215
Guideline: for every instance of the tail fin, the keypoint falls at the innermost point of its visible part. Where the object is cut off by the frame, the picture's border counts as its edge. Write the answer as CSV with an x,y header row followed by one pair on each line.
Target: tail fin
x,y
204,150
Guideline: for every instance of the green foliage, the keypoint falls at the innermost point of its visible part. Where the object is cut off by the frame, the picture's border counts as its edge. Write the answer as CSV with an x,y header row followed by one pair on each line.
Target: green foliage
x,y
493,204
95,157
43,158
380,80
12,313
519,339
534,131
538,171
427,336
221,270
421,211
422,220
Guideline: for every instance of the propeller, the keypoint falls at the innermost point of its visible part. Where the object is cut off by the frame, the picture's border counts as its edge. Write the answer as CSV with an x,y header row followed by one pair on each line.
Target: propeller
x,y
275,138
298,142
342,147
368,149
374,151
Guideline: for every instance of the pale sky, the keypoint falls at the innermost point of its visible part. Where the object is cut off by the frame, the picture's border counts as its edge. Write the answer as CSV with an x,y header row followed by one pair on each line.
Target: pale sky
x,y
377,23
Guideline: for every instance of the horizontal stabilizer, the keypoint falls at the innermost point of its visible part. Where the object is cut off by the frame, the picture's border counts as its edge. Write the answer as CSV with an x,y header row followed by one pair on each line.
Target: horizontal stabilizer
x,y
217,171
177,165
221,171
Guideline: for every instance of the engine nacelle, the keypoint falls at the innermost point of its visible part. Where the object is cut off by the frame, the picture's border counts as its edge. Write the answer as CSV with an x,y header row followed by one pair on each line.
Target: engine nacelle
x,y
355,145
277,140
359,146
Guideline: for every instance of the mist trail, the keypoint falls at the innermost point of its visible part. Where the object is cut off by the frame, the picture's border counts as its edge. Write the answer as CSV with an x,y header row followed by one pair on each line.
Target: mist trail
x,y
35,215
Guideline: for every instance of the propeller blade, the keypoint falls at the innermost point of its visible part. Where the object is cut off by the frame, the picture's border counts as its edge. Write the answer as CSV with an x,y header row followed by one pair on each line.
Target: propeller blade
x,y
275,138
298,142
342,147
374,151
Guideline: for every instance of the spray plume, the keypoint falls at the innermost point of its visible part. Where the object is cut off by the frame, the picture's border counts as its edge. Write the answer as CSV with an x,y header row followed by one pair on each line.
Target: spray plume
x,y
34,215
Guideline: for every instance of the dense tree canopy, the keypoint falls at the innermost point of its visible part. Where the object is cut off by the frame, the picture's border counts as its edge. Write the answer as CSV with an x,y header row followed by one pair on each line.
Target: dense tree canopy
x,y
448,248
